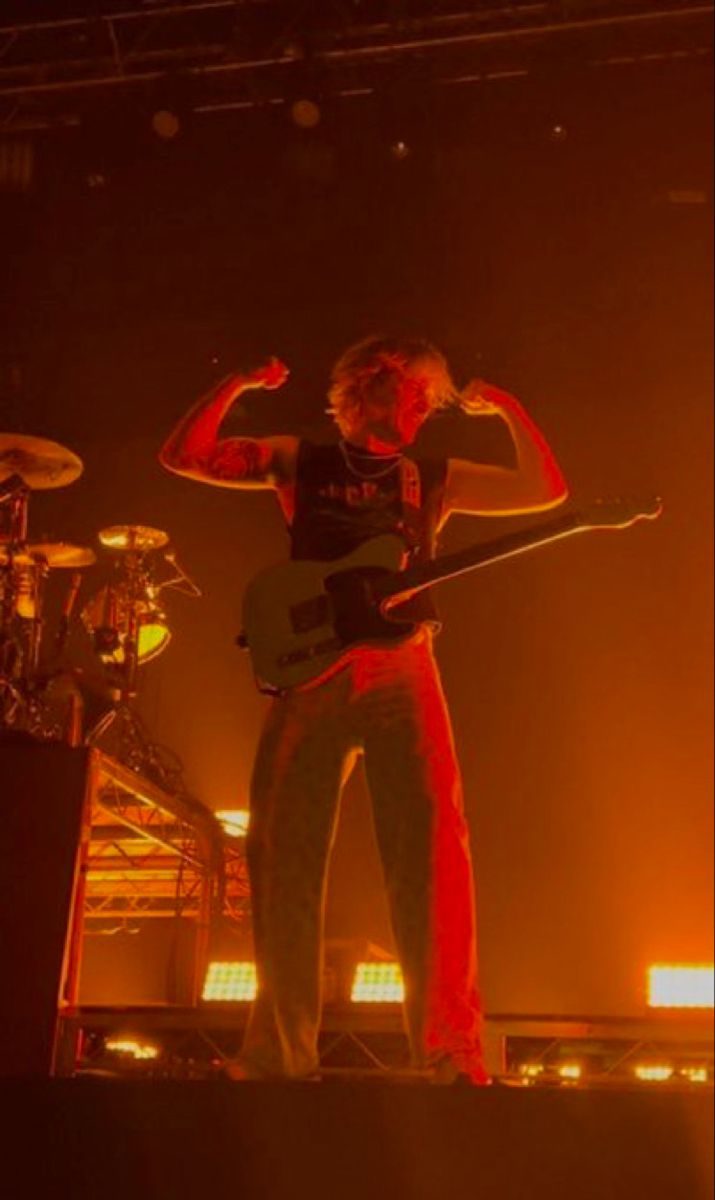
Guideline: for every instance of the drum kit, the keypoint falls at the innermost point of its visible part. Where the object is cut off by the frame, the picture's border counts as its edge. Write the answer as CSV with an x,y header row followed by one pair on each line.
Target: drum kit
x,y
124,619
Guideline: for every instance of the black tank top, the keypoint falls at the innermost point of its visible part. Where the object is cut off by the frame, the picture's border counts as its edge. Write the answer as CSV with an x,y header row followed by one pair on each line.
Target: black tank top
x,y
337,510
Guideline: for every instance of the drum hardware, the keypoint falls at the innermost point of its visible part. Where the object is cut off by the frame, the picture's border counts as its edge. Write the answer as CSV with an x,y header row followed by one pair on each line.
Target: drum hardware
x,y
125,619
129,628
29,464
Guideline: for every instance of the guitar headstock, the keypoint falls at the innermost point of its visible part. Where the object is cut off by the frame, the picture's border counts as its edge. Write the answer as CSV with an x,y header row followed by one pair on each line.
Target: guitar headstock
x,y
621,513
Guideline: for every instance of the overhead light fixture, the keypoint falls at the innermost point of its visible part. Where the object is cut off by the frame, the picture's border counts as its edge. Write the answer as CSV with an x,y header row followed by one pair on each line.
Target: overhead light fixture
x,y
166,124
400,150
306,113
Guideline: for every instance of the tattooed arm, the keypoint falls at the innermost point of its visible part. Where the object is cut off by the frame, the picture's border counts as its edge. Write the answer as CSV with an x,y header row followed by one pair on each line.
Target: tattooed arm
x,y
194,449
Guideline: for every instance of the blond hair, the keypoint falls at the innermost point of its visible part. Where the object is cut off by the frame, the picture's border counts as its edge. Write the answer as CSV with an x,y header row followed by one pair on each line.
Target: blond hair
x,y
356,369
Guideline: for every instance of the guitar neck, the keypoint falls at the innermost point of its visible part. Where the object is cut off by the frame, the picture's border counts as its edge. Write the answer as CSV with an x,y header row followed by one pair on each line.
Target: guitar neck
x,y
422,575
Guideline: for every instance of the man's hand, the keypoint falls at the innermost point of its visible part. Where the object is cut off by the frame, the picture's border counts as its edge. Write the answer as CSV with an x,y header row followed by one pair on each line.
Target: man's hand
x,y
480,399
269,377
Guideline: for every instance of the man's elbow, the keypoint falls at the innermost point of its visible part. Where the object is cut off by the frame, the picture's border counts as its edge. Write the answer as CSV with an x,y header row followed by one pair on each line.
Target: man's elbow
x,y
556,492
171,460
167,459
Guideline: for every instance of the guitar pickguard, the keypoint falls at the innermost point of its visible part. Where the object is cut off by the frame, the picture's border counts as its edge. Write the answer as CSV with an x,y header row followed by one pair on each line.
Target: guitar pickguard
x,y
356,617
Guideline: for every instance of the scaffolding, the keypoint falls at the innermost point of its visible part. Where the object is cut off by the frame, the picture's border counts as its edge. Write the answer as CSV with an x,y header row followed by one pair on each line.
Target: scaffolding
x,y
146,855
368,1041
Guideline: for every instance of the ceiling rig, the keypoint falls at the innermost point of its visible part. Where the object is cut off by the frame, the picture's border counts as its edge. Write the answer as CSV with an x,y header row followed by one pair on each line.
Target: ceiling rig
x,y
234,54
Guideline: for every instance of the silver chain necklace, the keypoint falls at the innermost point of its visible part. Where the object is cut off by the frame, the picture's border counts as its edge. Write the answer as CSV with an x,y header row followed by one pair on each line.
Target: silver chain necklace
x,y
368,458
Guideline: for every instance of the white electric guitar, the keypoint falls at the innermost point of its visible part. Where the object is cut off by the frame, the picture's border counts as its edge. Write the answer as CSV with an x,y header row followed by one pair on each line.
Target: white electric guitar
x,y
301,619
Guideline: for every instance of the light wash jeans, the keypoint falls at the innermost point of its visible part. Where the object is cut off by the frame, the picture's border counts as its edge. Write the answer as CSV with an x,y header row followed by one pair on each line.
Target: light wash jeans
x,y
388,705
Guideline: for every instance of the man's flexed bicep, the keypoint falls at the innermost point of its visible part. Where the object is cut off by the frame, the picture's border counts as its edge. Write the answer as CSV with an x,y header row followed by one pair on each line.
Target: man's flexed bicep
x,y
536,482
194,449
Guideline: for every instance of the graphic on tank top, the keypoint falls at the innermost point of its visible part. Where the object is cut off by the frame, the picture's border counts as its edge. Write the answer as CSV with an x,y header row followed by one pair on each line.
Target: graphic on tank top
x,y
335,512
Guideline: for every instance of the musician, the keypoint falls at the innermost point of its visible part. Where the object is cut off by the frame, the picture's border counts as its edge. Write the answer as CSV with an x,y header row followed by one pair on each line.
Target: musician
x,y
385,703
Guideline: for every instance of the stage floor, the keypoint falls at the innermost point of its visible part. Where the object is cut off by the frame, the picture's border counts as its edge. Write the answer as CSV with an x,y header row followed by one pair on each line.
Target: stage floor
x,y
92,1139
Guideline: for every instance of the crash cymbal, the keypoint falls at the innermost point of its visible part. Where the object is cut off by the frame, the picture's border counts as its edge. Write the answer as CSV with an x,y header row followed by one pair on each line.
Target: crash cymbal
x,y
62,554
51,554
133,537
40,463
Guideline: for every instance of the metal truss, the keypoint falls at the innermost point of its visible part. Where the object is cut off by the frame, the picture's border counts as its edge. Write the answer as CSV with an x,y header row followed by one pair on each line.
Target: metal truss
x,y
534,1049
218,55
154,855
359,1041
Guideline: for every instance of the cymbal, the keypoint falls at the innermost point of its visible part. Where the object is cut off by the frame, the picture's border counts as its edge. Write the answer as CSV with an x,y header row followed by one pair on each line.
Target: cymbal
x,y
63,554
40,463
53,554
133,537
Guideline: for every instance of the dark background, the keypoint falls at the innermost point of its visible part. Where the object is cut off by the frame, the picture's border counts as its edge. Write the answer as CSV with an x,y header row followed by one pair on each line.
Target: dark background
x,y
552,234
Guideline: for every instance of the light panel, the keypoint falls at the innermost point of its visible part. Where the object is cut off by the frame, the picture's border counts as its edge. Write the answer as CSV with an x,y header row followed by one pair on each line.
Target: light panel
x,y
235,821
696,1074
378,983
681,986
531,1070
132,1048
654,1073
230,981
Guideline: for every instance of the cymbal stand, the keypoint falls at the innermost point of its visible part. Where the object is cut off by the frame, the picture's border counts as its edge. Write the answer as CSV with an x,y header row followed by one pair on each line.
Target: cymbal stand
x,y
15,661
121,730
19,505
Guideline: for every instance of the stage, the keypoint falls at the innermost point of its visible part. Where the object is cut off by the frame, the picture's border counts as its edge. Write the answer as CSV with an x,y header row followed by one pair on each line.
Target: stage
x,y
84,1139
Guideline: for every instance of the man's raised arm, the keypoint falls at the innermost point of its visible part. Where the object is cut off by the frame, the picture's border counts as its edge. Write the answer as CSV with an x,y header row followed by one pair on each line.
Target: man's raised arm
x,y
194,449
535,483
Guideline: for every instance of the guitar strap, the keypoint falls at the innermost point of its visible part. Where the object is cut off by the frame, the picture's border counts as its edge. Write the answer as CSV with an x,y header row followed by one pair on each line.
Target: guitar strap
x,y
419,527
411,494
411,483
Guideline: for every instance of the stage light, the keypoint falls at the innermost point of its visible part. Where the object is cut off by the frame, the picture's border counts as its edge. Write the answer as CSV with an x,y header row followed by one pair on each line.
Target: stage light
x,y
531,1071
654,1073
696,1074
378,983
230,981
131,1048
570,1071
235,821
166,124
681,986
306,113
400,150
